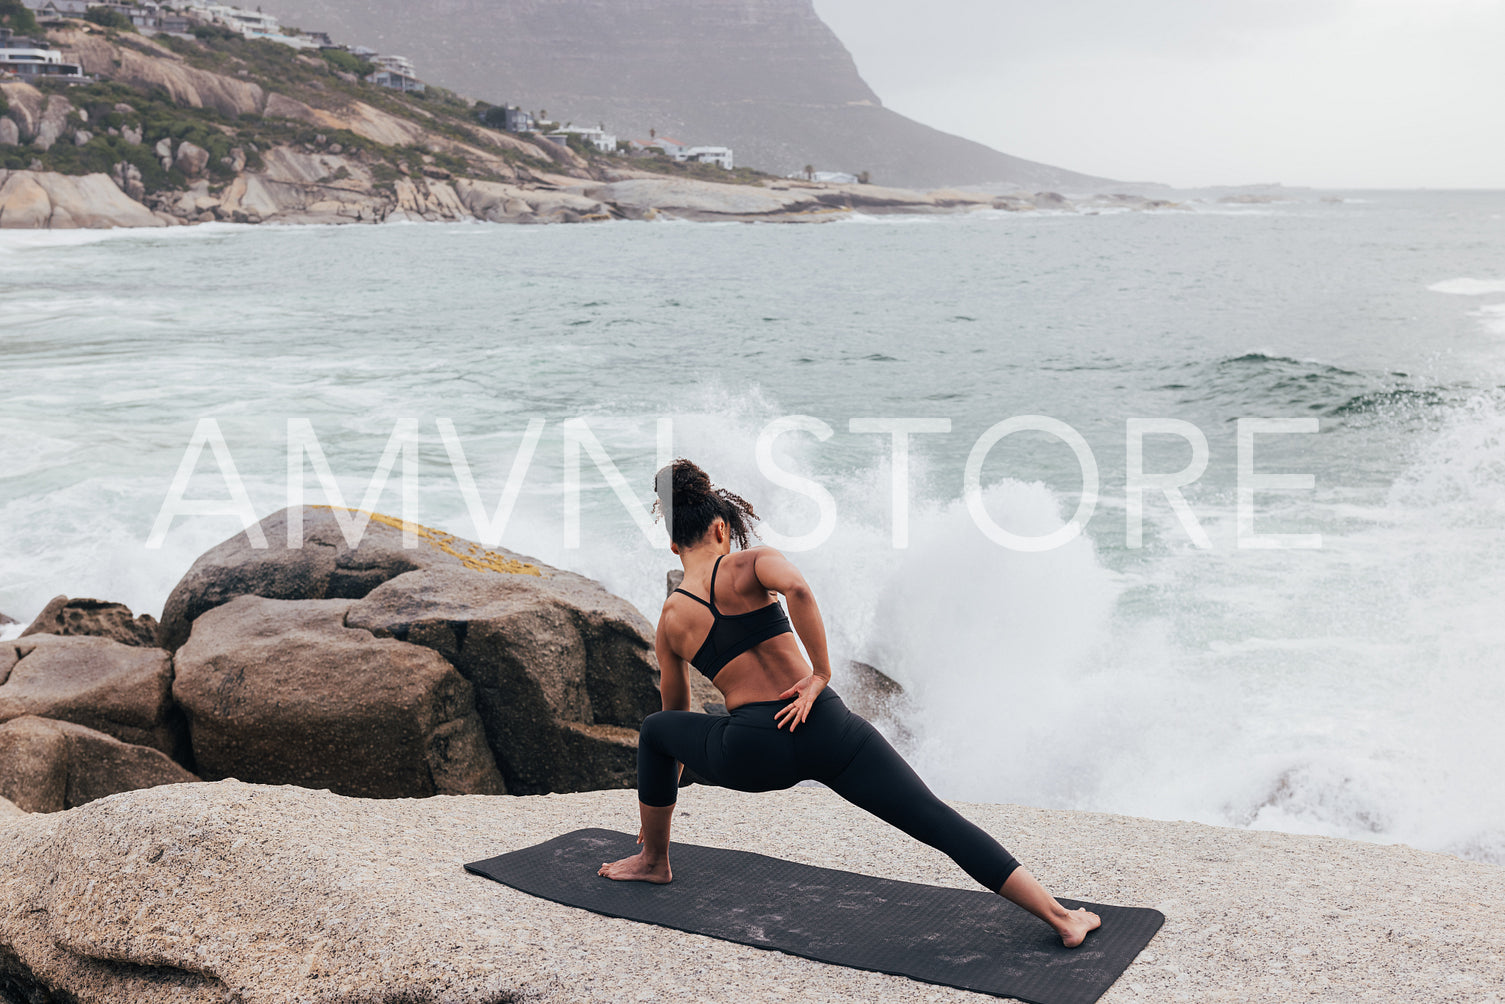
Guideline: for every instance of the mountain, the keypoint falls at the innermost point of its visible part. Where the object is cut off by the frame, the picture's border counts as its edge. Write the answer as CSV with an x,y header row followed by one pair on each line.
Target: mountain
x,y
765,77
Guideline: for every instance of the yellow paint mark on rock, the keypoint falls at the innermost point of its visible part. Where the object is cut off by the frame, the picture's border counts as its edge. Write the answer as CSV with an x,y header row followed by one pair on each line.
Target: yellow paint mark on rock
x,y
471,554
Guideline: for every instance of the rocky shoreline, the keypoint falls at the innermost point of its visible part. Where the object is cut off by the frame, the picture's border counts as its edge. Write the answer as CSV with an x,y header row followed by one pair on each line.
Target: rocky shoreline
x,y
267,797
291,191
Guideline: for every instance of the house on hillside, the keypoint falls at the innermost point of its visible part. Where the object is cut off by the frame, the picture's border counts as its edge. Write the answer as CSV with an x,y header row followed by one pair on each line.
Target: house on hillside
x,y
516,120
683,152
52,9
706,155
599,138
31,59
668,144
396,72
250,23
145,14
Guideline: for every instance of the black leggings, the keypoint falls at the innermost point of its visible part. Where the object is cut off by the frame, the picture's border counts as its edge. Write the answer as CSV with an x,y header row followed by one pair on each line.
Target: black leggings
x,y
747,751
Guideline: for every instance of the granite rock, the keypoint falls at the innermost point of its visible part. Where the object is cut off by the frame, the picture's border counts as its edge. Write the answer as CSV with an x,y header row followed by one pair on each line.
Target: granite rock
x,y
48,765
283,691
198,893
80,616
122,690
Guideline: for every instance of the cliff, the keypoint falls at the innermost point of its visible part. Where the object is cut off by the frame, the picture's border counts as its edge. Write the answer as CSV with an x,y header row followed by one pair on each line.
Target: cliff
x,y
202,892
766,77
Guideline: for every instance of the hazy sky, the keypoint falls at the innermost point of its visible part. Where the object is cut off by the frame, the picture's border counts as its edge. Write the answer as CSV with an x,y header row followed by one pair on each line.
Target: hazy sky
x,y
1328,93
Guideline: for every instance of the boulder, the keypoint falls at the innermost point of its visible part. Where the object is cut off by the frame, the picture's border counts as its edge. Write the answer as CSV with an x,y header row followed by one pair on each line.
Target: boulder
x,y
81,137
326,566
10,810
23,107
7,619
48,765
122,690
563,676
702,200
191,158
54,121
163,149
146,65
131,134
10,133
62,616
284,692
127,177
564,672
36,198
24,203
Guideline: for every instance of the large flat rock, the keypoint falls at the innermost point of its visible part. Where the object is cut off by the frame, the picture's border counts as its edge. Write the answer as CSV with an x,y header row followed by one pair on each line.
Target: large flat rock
x,y
193,893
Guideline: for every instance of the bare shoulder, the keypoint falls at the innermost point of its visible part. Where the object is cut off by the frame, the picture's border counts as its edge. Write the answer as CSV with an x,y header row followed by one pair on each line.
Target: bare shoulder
x,y
772,570
670,611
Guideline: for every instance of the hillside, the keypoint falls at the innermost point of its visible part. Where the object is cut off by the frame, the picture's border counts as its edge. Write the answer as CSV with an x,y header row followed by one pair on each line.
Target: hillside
x,y
220,127
766,77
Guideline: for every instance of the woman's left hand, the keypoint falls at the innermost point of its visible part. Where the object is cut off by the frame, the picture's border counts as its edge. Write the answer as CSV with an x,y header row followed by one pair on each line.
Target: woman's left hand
x,y
804,693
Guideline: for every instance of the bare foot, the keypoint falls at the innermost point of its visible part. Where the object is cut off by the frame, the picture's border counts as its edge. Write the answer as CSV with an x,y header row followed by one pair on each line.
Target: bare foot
x,y
639,868
1073,930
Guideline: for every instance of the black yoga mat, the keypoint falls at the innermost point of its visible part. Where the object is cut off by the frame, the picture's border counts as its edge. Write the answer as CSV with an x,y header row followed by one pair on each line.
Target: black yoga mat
x,y
967,938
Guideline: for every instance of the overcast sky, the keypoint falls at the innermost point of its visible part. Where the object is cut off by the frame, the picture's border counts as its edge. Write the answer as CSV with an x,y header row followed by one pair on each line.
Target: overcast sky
x,y
1327,93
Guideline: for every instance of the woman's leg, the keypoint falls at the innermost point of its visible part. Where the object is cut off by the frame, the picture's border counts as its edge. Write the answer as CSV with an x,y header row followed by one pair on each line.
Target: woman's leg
x,y
879,780
666,739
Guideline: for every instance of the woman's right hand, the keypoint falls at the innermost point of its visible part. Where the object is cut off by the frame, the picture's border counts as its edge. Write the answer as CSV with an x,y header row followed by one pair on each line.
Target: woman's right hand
x,y
804,693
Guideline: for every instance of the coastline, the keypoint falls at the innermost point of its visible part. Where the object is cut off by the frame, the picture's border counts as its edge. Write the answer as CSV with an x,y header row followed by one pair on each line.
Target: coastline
x,y
375,906
33,200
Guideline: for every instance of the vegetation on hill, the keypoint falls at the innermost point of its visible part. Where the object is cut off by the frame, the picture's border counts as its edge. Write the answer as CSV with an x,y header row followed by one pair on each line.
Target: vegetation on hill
x,y
331,80
16,16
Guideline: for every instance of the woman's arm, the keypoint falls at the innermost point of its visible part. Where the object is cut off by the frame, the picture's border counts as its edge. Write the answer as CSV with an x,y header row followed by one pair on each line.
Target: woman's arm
x,y
777,572
673,672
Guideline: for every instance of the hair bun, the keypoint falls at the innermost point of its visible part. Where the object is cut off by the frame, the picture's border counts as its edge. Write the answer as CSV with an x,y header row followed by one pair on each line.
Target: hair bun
x,y
692,503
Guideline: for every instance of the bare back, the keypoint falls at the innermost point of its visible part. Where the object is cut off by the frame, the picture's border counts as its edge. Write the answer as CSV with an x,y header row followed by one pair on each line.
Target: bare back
x,y
762,672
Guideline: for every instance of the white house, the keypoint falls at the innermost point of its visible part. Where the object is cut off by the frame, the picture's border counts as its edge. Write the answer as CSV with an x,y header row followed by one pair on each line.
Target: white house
x,y
396,72
599,138
30,59
397,64
250,23
668,144
706,155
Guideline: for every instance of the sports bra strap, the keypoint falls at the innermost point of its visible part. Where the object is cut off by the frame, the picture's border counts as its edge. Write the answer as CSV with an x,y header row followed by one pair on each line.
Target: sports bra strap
x,y
714,569
697,599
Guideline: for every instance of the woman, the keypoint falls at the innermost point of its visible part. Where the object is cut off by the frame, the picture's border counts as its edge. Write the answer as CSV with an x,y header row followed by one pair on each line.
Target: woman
x,y
726,620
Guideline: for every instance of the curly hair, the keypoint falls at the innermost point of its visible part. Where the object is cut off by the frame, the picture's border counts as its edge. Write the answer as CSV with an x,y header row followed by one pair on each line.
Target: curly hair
x,y
691,503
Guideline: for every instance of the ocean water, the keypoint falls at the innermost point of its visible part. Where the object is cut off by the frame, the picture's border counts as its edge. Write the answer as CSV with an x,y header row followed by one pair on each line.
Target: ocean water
x,y
1352,689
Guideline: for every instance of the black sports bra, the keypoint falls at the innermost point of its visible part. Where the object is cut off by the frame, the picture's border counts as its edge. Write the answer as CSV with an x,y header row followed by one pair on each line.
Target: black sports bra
x,y
733,634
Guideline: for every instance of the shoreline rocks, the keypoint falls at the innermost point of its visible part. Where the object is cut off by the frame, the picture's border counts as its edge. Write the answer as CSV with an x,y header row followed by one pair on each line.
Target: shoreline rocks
x,y
54,765
298,187
560,672
51,201
121,690
81,616
411,664
285,691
